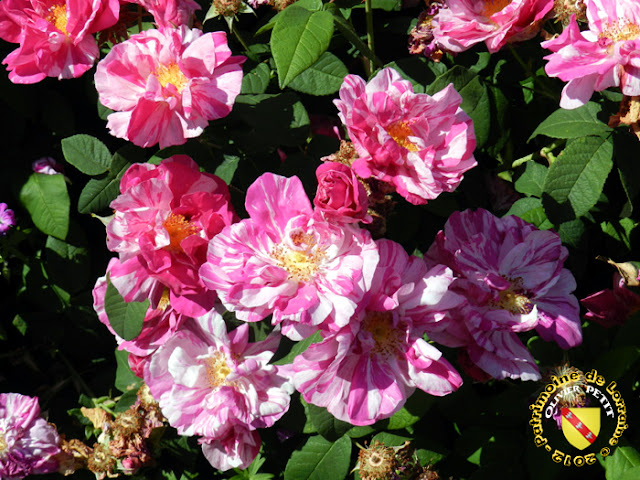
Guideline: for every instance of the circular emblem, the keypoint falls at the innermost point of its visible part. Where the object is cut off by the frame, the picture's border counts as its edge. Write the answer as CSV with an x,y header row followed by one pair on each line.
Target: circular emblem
x,y
578,415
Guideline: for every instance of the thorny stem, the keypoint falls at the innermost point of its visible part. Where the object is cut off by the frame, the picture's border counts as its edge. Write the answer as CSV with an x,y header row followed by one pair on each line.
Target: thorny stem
x,y
369,14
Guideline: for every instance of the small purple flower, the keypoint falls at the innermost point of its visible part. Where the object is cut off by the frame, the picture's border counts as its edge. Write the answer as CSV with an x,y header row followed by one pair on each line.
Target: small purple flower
x,y
47,165
7,218
28,444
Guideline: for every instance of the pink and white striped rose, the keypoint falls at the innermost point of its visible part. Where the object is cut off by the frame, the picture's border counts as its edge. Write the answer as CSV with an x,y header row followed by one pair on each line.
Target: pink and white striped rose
x,y
219,386
163,221
55,36
166,85
605,55
513,277
463,23
421,144
365,371
285,261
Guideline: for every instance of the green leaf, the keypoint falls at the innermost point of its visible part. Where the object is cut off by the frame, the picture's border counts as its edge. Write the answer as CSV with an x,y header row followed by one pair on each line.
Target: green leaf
x,y
428,457
323,77
20,324
623,459
256,80
227,168
126,318
576,178
326,424
575,123
531,210
125,379
86,153
47,200
298,348
320,459
620,230
631,474
531,181
67,263
572,232
391,440
412,411
475,98
298,40
350,34
98,193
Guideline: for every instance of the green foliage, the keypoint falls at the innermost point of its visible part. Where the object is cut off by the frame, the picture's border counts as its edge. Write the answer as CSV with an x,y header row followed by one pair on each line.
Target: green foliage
x,y
324,77
320,459
575,180
99,192
125,318
624,461
575,123
47,200
531,182
251,472
86,153
298,39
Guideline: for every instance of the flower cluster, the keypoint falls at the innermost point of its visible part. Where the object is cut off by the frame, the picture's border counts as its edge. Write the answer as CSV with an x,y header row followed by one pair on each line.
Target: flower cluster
x,y
313,266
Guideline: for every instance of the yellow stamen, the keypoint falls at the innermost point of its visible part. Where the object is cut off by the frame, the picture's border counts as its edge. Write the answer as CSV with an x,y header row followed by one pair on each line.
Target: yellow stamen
x,y
514,299
399,131
3,443
380,326
58,17
217,370
621,31
301,264
494,6
164,300
171,74
178,228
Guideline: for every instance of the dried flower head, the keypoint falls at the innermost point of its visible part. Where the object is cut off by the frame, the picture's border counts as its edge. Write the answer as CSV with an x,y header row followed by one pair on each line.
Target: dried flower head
x,y
563,10
376,462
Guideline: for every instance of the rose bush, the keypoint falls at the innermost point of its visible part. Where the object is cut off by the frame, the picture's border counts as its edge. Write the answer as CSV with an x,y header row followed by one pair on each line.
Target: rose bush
x,y
254,240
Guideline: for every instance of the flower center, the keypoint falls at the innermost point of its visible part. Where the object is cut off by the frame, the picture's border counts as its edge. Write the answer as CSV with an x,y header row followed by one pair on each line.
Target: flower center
x,y
217,370
494,6
301,264
621,31
399,131
514,299
3,443
380,326
171,74
164,300
178,228
58,17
